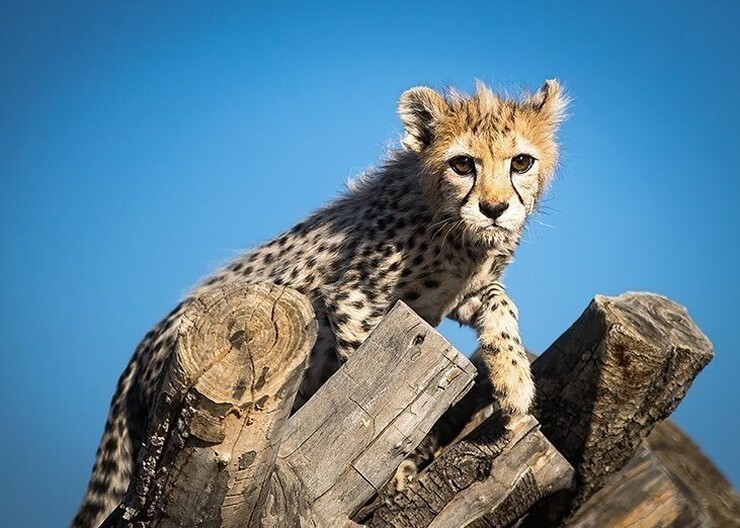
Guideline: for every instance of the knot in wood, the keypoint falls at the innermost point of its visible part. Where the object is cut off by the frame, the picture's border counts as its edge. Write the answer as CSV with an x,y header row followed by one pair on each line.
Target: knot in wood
x,y
471,469
238,339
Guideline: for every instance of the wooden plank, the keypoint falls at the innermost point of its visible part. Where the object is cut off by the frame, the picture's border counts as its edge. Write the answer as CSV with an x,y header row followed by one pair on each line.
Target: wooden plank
x,y
601,387
218,420
348,439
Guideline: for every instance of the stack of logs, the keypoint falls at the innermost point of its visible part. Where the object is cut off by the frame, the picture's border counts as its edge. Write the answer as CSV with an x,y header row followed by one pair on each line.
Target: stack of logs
x,y
223,450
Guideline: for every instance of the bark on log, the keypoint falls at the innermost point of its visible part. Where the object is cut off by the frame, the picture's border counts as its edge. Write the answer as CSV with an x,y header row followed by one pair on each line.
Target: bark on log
x,y
488,479
669,482
622,367
345,443
217,424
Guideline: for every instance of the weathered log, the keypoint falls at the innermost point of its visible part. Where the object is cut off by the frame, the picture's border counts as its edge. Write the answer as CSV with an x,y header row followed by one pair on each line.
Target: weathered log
x,y
669,482
217,424
345,443
488,479
221,450
623,366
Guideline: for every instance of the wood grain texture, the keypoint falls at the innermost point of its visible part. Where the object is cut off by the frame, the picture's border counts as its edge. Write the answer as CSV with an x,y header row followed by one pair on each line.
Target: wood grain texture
x,y
695,475
488,479
640,495
624,365
668,482
217,423
346,442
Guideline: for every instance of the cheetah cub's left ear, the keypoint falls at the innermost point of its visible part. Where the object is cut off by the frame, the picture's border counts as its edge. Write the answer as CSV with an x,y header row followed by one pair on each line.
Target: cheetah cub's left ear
x,y
420,108
551,103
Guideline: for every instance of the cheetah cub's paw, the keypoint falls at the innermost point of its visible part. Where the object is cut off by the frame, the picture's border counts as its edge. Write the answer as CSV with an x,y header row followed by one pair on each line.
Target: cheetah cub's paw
x,y
517,399
511,377
405,475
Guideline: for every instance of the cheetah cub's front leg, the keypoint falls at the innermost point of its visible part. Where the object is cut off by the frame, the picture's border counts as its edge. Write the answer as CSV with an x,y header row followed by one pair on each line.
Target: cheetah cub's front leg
x,y
494,316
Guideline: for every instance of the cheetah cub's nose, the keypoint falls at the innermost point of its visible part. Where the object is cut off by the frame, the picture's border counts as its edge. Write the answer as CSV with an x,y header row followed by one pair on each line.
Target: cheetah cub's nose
x,y
493,211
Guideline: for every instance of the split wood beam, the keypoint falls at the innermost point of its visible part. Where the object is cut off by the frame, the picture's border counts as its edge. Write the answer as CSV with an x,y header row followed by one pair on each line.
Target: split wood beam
x,y
622,367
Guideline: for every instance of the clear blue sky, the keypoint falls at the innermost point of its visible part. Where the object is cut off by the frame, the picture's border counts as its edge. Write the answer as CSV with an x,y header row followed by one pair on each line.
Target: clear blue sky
x,y
142,145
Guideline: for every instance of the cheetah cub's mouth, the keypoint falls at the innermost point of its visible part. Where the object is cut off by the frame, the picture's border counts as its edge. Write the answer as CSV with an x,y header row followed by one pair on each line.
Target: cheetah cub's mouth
x,y
488,157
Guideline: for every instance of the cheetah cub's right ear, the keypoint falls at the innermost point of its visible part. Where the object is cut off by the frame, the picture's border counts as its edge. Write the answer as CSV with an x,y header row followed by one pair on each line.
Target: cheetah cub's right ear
x,y
420,108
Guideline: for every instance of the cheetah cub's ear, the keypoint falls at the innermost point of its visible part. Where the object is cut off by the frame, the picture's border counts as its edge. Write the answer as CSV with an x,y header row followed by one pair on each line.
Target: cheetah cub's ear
x,y
551,103
420,108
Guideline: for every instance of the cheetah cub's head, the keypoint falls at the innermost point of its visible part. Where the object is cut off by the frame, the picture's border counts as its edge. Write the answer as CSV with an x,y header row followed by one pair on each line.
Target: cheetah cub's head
x,y
485,159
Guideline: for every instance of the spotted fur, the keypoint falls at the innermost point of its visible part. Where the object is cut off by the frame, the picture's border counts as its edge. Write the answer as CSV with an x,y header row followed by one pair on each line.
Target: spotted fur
x,y
412,229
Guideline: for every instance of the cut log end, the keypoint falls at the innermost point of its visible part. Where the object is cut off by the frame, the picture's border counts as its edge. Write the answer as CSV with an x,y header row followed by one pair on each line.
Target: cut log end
x,y
656,320
234,340
226,395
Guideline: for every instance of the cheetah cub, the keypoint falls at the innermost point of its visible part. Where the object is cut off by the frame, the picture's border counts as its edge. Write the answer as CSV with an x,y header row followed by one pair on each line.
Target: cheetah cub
x,y
434,226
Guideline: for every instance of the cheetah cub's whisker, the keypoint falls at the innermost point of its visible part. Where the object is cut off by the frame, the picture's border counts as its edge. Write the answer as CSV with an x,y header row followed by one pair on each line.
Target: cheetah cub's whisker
x,y
434,226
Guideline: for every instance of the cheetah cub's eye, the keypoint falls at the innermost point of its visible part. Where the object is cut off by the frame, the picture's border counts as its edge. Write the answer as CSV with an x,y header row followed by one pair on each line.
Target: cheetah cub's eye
x,y
463,165
521,163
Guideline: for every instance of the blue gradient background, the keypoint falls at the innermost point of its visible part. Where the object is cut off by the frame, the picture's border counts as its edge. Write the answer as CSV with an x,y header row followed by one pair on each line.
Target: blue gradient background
x,y
141,146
